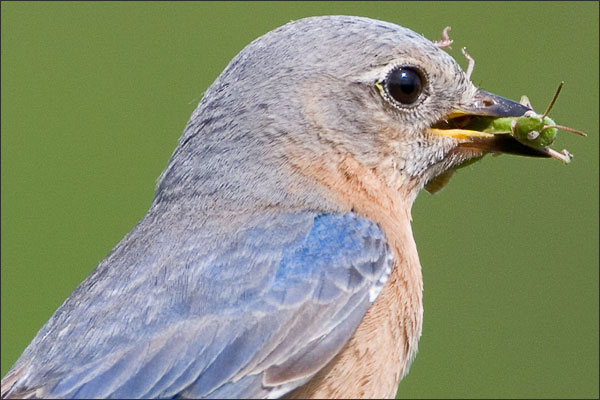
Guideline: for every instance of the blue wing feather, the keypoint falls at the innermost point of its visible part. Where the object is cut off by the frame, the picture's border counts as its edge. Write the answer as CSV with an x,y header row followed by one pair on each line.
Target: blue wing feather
x,y
211,310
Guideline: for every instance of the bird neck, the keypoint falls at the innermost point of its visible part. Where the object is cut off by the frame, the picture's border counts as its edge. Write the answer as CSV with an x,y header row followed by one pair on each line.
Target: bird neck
x,y
380,194
384,344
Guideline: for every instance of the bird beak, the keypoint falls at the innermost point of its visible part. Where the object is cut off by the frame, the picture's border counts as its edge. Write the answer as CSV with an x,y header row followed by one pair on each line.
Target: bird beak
x,y
490,105
459,125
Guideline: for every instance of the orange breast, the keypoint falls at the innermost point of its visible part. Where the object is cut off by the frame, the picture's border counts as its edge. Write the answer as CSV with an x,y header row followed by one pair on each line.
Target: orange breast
x,y
380,351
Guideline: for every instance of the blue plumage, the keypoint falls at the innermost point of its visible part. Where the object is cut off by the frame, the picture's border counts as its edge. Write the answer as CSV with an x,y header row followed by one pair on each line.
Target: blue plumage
x,y
274,302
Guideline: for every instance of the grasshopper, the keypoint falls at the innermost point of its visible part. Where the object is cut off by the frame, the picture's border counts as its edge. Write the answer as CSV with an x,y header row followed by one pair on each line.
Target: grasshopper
x,y
532,129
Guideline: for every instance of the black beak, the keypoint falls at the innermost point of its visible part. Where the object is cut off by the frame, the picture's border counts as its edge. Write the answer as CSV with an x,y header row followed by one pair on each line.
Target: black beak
x,y
490,105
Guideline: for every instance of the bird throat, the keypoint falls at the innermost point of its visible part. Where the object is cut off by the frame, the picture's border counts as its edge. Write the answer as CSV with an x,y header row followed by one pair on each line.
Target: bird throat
x,y
379,353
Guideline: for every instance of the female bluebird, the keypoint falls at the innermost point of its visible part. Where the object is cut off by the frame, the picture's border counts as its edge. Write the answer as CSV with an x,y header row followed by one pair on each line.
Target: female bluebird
x,y
277,257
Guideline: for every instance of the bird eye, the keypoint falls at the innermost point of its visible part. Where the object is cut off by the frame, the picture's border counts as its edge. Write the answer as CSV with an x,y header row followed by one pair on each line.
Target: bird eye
x,y
404,84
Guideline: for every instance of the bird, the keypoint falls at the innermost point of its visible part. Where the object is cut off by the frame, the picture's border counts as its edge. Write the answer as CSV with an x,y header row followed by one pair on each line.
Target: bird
x,y
277,256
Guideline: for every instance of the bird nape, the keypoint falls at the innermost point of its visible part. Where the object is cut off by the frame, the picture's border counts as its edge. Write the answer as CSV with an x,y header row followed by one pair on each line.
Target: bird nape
x,y
277,257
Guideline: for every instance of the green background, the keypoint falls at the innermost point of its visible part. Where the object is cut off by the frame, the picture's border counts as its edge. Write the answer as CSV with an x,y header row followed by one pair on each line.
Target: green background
x,y
96,95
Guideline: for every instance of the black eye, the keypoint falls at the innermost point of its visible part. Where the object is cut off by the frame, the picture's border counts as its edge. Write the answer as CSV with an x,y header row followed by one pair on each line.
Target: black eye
x,y
404,84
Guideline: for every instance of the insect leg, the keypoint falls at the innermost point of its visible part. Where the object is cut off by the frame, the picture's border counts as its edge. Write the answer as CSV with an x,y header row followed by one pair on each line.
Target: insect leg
x,y
446,41
563,156
471,62
525,101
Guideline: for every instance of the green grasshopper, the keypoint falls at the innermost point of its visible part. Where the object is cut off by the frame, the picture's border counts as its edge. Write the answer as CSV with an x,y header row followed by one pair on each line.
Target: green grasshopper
x,y
531,129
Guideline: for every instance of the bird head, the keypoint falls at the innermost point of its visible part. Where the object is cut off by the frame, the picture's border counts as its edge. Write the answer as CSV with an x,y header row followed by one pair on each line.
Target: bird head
x,y
311,95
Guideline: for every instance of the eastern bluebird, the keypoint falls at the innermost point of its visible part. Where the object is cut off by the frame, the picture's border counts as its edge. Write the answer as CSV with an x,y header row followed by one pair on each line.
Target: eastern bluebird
x,y
277,257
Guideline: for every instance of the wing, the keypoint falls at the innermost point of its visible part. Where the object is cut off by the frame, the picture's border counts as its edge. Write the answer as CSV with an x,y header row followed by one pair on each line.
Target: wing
x,y
251,308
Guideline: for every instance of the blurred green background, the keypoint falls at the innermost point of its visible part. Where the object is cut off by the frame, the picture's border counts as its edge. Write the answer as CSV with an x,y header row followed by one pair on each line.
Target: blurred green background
x,y
96,95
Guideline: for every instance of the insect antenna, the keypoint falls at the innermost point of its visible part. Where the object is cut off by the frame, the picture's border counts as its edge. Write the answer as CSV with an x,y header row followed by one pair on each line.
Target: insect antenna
x,y
565,128
553,100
